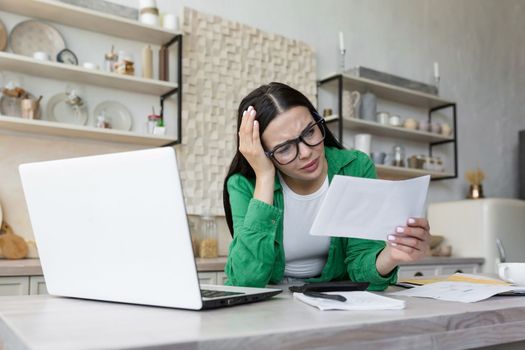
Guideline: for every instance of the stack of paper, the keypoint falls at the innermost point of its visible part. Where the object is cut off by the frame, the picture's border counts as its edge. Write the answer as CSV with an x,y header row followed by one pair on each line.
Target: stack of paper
x,y
464,288
354,301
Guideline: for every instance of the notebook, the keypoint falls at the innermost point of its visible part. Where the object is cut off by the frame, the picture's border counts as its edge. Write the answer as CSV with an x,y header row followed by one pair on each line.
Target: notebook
x,y
114,227
354,301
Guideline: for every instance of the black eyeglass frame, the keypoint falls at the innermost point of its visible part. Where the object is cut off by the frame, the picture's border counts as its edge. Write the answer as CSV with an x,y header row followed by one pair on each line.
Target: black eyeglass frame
x,y
320,123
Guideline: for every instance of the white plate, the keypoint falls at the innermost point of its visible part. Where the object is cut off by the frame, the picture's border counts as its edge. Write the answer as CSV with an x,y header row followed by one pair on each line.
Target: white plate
x,y
60,111
117,115
30,36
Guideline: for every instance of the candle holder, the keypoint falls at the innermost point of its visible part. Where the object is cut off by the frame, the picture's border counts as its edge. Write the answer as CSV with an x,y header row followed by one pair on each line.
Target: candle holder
x,y
342,60
436,83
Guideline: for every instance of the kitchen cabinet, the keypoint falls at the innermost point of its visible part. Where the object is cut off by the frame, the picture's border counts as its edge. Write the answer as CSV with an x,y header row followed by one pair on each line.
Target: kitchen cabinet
x,y
14,285
37,285
398,96
111,25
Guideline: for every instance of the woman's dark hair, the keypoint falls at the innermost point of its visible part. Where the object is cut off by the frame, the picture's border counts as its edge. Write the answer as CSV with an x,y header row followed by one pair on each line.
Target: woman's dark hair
x,y
269,101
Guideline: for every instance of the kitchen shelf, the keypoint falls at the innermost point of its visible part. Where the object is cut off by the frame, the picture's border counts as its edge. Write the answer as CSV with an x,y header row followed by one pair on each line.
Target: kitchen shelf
x,y
392,131
430,103
61,71
389,92
398,173
44,127
87,19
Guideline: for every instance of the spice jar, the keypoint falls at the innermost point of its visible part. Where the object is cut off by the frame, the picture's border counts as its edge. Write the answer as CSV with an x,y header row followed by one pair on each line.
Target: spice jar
x,y
208,243
110,60
398,156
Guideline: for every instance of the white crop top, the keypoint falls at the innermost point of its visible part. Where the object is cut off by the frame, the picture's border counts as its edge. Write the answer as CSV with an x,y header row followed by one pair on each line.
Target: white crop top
x,y
305,254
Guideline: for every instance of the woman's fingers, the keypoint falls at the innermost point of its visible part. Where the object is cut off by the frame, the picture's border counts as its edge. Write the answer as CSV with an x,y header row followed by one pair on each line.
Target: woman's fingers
x,y
416,232
418,222
406,241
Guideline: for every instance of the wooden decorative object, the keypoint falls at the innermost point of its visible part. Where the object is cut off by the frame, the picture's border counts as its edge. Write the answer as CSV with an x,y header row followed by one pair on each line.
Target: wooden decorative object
x,y
12,245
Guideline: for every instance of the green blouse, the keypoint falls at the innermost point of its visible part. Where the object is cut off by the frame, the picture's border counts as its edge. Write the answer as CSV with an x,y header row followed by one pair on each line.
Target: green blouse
x,y
256,254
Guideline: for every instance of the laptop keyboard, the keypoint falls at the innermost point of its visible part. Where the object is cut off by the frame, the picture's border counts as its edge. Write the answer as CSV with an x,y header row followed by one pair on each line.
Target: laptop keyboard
x,y
206,293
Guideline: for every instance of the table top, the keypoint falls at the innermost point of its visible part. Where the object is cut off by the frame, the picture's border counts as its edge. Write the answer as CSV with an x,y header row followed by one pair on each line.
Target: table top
x,y
46,322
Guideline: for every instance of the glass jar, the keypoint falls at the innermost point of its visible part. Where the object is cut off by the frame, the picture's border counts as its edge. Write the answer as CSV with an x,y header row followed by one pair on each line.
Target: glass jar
x,y
398,156
208,242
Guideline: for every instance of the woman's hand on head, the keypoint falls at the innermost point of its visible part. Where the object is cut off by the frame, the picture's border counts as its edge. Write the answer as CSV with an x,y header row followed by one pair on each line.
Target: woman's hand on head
x,y
251,147
408,243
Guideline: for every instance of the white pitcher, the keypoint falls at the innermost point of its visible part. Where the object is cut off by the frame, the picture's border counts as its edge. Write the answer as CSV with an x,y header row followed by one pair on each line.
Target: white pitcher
x,y
351,100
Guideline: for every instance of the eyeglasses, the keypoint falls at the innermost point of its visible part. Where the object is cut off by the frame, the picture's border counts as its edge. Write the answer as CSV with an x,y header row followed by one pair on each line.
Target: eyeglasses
x,y
286,153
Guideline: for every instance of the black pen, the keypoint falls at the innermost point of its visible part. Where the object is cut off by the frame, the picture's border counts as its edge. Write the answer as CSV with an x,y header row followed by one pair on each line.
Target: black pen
x,y
336,297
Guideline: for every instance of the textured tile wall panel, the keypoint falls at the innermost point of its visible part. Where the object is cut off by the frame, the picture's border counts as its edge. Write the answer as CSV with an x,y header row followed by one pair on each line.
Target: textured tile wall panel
x,y
223,62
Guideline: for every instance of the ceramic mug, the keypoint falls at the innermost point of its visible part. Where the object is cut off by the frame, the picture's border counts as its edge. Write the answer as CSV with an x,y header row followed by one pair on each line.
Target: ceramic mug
x,y
512,272
41,56
378,157
382,117
395,120
362,142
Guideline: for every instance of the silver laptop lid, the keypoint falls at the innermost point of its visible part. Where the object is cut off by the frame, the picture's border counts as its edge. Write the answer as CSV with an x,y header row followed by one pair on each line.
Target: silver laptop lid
x,y
113,227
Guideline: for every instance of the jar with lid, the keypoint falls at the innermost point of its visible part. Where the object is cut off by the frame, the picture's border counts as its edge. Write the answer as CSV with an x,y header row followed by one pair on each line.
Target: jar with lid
x,y
208,242
398,156
110,59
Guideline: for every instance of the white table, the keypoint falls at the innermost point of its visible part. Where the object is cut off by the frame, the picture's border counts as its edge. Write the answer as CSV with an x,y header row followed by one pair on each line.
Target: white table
x,y
45,322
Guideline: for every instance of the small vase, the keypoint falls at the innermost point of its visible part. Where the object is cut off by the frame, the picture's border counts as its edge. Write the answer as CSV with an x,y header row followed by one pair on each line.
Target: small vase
x,y
475,192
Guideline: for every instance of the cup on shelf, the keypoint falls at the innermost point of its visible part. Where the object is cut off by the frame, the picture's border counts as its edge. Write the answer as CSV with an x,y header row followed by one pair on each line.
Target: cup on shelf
x,y
395,120
378,157
435,128
169,21
446,130
410,123
41,56
90,65
423,126
383,117
362,142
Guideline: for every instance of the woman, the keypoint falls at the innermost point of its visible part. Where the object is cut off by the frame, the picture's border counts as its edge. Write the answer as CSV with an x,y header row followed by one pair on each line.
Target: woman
x,y
276,182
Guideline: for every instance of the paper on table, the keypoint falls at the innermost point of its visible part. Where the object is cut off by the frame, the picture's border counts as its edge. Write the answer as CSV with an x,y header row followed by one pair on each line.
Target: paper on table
x,y
456,291
354,301
369,208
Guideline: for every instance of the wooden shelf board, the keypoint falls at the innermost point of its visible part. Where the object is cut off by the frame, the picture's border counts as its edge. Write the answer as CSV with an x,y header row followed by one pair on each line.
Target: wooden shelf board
x,y
87,19
61,71
393,131
44,127
398,173
391,92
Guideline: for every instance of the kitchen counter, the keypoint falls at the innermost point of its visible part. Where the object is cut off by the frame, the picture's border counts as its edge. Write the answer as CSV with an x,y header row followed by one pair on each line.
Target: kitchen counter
x,y
20,267
31,267
45,322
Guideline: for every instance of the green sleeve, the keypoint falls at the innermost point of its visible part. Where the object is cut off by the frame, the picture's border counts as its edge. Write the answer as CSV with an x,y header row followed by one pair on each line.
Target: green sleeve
x,y
253,251
361,254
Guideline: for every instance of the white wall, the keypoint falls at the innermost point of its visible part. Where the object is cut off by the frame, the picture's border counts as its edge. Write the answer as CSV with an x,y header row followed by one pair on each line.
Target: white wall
x,y
479,44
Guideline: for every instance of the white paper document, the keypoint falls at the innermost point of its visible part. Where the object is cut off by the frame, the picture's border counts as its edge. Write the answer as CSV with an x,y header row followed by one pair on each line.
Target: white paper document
x,y
368,208
456,291
354,301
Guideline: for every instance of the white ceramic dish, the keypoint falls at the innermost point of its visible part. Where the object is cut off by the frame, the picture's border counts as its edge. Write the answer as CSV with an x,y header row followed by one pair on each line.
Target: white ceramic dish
x,y
58,110
115,113
32,36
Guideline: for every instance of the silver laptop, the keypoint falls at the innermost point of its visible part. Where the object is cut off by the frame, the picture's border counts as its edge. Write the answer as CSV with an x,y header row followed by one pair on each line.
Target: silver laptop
x,y
114,227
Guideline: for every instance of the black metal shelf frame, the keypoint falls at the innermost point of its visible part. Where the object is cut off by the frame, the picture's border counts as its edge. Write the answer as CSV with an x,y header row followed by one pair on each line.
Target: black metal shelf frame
x,y
178,90
339,80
